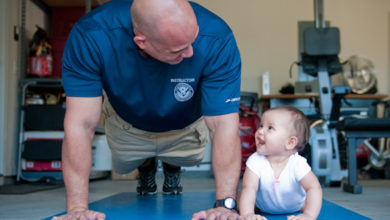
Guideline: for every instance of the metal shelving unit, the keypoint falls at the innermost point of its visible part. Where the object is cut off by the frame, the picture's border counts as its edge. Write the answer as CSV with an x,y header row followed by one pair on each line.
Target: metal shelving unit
x,y
25,83
45,134
99,168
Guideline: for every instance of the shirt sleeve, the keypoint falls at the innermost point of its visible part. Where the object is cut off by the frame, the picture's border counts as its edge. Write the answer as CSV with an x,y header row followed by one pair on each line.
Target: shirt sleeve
x,y
81,65
301,168
220,85
253,163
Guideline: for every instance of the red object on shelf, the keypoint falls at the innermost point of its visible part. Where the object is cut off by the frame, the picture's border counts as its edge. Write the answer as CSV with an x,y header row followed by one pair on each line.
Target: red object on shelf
x,y
41,66
40,165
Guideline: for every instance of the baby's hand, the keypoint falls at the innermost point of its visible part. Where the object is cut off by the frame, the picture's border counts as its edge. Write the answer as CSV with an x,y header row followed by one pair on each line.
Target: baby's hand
x,y
300,217
252,217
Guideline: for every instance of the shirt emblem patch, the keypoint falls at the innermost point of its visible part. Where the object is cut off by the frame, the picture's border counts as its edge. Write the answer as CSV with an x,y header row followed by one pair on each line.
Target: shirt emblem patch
x,y
183,92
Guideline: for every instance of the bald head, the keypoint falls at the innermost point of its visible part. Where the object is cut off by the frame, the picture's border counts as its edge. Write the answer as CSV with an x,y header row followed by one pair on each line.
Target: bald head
x,y
164,29
161,19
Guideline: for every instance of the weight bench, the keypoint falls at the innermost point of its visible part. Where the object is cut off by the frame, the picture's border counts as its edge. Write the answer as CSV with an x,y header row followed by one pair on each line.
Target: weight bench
x,y
356,131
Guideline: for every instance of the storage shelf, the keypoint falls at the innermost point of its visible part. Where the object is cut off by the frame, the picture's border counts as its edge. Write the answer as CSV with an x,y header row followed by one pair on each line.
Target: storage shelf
x,y
41,80
38,175
40,123
42,87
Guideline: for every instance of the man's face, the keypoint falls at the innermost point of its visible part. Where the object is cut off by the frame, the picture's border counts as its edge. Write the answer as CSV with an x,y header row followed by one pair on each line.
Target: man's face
x,y
171,51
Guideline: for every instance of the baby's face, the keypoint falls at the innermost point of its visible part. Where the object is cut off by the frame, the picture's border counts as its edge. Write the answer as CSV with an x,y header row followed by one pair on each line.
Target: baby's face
x,y
274,132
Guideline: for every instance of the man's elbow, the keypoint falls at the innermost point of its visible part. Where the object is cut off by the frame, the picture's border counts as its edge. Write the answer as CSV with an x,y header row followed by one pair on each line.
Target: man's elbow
x,y
79,126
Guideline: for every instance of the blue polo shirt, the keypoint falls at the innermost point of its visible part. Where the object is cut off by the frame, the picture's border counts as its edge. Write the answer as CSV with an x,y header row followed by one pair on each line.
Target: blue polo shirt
x,y
149,94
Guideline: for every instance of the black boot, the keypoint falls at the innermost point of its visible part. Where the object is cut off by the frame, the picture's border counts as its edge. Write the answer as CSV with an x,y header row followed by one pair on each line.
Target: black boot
x,y
147,177
172,183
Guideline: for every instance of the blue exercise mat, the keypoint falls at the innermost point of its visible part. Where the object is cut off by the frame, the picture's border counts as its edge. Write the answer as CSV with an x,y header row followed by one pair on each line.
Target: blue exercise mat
x,y
131,206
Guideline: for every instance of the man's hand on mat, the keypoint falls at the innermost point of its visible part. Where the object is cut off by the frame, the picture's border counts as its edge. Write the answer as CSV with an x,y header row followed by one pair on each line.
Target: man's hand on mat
x,y
300,217
82,213
215,214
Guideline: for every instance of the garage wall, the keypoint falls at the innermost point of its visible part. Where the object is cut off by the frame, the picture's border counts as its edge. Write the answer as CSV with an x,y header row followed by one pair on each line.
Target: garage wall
x,y
10,67
267,34
3,54
9,78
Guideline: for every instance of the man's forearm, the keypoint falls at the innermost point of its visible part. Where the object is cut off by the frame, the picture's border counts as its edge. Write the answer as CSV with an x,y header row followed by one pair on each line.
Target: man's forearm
x,y
77,160
226,165
81,118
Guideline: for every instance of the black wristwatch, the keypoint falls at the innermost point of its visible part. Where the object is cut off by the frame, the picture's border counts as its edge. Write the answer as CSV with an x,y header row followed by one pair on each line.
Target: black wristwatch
x,y
228,203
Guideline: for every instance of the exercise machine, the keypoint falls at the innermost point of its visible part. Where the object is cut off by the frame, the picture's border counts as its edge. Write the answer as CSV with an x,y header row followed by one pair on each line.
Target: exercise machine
x,y
320,59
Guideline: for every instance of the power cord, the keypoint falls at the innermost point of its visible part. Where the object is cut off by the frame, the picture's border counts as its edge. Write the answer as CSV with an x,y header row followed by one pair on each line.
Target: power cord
x,y
291,66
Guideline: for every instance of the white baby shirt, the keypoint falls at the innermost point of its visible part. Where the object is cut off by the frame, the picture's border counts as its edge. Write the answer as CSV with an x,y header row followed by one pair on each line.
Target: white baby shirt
x,y
283,195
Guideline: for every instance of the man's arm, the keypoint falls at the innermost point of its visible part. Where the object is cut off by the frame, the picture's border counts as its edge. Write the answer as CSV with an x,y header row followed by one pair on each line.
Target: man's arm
x,y
226,155
81,118
226,162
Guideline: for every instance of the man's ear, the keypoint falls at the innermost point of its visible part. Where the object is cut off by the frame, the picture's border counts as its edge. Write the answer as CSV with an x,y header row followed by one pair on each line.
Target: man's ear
x,y
292,143
139,40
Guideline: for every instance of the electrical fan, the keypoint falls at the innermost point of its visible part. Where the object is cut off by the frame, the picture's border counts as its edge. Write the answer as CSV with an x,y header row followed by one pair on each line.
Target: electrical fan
x,y
359,75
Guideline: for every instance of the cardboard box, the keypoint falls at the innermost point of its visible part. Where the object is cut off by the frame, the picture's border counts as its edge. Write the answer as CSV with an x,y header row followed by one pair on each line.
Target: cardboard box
x,y
128,176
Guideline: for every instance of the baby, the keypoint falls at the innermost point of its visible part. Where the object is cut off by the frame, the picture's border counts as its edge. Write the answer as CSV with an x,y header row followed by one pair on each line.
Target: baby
x,y
277,179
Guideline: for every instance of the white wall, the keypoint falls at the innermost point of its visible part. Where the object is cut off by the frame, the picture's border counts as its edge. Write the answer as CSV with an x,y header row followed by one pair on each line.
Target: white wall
x,y
10,76
3,23
267,34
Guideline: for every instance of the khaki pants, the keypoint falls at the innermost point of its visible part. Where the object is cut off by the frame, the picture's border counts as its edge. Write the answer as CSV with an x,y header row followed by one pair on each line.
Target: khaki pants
x,y
130,146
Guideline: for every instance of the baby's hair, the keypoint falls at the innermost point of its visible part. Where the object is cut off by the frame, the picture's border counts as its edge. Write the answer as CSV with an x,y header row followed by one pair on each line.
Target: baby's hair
x,y
301,125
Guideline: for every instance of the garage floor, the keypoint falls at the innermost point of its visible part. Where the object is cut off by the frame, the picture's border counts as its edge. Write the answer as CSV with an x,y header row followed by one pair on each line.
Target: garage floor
x,y
373,202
